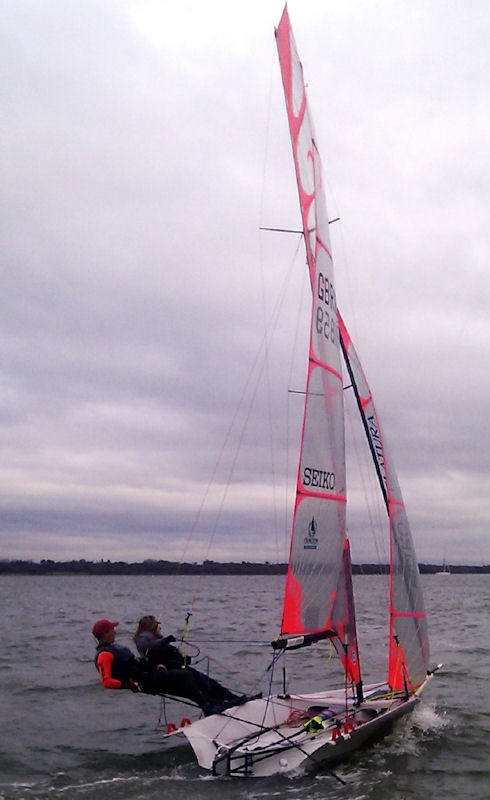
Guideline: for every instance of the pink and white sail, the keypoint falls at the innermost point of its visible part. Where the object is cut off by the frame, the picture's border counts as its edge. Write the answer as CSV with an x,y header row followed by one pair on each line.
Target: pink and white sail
x,y
315,577
408,657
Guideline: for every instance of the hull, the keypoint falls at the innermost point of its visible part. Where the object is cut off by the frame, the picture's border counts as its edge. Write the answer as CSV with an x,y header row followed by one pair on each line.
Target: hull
x,y
282,734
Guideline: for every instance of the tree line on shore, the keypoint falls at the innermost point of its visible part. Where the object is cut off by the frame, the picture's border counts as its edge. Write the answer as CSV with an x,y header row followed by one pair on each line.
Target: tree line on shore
x,y
153,567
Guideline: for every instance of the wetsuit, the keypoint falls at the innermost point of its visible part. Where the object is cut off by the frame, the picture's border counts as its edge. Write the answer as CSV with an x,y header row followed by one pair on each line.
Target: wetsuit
x,y
157,649
120,669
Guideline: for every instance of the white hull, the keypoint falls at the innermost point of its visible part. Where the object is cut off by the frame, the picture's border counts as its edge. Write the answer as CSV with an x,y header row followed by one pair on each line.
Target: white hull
x,y
268,736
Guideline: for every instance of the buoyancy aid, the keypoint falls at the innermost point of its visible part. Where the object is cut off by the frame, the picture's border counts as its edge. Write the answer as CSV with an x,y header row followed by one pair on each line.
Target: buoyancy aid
x,y
159,650
124,666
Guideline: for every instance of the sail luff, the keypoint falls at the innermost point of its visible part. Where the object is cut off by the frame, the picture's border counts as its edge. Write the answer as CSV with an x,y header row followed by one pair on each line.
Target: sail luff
x,y
408,638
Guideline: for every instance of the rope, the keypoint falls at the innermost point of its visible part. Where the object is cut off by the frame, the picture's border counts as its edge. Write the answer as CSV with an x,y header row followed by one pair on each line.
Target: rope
x,y
162,712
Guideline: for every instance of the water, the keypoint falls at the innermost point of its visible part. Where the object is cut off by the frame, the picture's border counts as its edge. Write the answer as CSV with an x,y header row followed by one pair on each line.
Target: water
x,y
63,736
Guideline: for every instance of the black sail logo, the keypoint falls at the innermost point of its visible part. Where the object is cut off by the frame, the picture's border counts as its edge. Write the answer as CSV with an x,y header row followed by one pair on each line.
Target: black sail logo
x,y
311,539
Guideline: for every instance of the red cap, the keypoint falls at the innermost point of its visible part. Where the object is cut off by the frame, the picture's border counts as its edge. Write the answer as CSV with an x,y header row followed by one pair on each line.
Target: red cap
x,y
103,626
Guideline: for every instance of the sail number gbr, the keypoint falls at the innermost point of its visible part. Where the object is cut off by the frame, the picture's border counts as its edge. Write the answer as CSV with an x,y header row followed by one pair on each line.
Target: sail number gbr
x,y
326,309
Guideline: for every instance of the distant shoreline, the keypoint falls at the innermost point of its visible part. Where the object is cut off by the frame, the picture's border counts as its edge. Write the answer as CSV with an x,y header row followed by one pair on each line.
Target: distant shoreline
x,y
150,567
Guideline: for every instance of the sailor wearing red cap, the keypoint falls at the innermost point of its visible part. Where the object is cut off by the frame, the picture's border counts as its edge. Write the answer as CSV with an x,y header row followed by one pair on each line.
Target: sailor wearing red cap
x,y
118,667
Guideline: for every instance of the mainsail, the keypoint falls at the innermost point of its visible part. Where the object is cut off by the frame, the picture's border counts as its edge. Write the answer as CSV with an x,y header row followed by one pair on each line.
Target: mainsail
x,y
409,644
316,573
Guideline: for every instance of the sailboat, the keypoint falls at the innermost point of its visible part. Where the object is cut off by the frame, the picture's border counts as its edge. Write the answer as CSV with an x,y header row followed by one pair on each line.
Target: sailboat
x,y
282,732
445,568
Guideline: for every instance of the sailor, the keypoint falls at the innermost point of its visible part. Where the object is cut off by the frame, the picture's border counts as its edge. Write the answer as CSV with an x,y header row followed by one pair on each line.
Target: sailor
x,y
159,653
120,669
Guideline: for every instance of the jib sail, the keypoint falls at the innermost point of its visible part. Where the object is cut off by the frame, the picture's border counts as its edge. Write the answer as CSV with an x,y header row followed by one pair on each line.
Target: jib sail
x,y
408,638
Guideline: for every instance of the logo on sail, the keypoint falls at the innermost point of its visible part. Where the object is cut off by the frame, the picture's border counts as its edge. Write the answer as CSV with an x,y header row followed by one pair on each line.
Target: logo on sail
x,y
311,540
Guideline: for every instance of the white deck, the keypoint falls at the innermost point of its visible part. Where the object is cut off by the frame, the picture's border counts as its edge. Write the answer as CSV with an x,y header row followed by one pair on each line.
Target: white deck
x,y
272,735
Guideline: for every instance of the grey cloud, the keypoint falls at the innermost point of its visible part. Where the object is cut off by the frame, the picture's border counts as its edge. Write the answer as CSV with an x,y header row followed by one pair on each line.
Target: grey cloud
x,y
131,305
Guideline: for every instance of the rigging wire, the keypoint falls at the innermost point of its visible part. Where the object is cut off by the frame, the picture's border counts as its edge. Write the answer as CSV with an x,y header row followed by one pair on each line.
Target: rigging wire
x,y
263,293
251,385
263,347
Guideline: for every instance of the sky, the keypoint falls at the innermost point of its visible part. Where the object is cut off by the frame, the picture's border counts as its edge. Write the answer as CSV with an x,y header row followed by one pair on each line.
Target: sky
x,y
153,338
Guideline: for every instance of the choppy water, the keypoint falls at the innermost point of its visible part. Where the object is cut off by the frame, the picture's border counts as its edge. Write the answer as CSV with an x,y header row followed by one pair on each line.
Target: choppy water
x,y
63,736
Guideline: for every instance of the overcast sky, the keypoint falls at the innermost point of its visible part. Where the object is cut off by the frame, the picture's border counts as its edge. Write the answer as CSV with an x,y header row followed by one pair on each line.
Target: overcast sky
x,y
150,332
